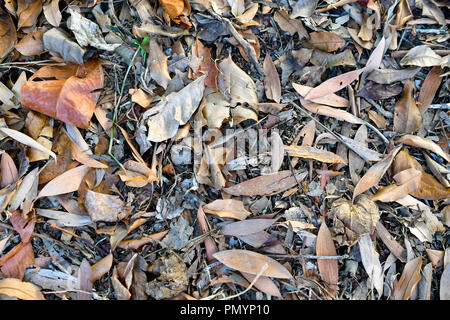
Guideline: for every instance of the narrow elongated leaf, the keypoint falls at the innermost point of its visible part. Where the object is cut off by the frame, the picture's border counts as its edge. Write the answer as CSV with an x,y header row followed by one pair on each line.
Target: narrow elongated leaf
x,y
272,82
229,208
242,228
371,262
328,267
19,289
69,181
407,116
26,140
423,143
408,280
253,263
313,153
101,267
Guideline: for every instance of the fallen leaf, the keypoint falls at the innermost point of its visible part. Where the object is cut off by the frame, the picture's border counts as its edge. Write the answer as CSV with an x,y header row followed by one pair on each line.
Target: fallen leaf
x,y
290,24
8,34
329,100
272,83
277,150
157,62
421,56
207,65
267,184
173,110
64,219
228,208
67,182
19,289
56,40
375,173
371,262
253,263
328,268
377,118
330,112
8,171
245,227
103,207
325,41
101,267
235,84
407,116
327,60
429,88
313,153
408,181
52,13
408,280
32,44
388,76
69,99
29,16
444,284
304,8
26,140
423,143
84,283
172,7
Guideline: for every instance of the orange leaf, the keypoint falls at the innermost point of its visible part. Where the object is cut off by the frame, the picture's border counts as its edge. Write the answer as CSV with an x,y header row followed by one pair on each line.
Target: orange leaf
x,y
101,267
69,181
423,143
70,99
328,267
29,16
253,263
429,87
22,290
173,7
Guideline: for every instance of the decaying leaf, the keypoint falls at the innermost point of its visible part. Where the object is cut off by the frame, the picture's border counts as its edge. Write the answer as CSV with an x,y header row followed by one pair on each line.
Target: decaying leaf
x,y
313,153
408,280
57,41
421,56
354,220
229,208
371,262
71,98
69,181
407,116
101,267
253,263
103,207
172,111
19,289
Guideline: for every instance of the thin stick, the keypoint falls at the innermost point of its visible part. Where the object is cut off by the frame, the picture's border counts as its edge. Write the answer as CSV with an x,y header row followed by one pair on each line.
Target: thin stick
x,y
264,267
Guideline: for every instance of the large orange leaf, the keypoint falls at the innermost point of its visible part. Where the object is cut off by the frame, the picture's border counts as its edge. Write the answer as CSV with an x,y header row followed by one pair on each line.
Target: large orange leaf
x,y
71,98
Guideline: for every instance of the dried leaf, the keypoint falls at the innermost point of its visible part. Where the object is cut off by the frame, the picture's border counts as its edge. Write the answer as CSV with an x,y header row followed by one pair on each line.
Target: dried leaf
x,y
70,99
246,227
407,116
52,13
253,263
235,84
8,34
277,150
84,281
444,284
69,181
377,118
313,153
303,8
327,60
330,112
328,268
421,56
228,208
272,83
266,185
32,44
101,267
388,76
172,7
290,24
8,171
325,41
429,88
264,284
26,140
157,62
371,262
103,207
56,40
29,16
375,173
22,290
423,143
64,219
173,110
408,181
329,100
408,280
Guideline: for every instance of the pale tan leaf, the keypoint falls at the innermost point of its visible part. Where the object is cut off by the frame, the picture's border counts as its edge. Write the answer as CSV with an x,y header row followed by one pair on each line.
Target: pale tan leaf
x,y
101,267
422,56
272,82
328,268
245,227
408,280
375,173
264,284
26,140
330,112
157,61
69,181
313,153
52,13
8,171
103,207
423,143
325,41
444,284
229,208
23,290
407,116
371,262
277,149
253,263
330,100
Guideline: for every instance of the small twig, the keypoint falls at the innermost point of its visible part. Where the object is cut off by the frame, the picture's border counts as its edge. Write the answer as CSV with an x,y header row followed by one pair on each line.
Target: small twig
x,y
345,256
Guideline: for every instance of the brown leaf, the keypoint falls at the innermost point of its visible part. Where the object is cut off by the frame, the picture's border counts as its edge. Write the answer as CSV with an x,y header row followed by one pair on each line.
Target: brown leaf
x,y
14,263
272,83
407,117
173,7
32,44
242,228
207,65
52,13
253,263
8,34
408,280
22,290
29,16
376,91
313,153
101,267
135,244
287,24
328,268
408,181
444,284
371,262
71,98
264,284
423,143
330,112
429,88
375,173
8,171
267,184
334,84
157,61
210,245
326,41
388,76
228,208
69,181
377,118
329,100
103,207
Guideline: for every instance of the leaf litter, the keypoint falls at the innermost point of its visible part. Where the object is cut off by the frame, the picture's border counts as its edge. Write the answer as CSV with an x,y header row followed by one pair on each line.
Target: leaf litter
x,y
286,150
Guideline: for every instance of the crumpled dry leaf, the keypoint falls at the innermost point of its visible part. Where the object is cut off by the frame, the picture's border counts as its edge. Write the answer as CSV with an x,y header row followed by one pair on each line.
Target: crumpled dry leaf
x,y
407,180
57,41
71,98
157,62
162,121
408,280
290,24
327,60
103,207
407,116
422,56
303,8
354,220
32,44
235,84
28,17
388,76
87,32
253,263
8,34
423,143
8,170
